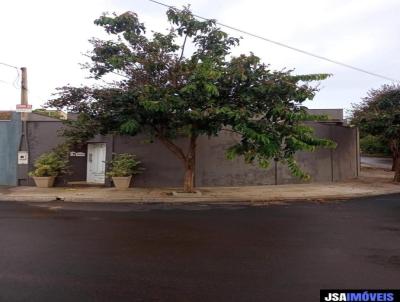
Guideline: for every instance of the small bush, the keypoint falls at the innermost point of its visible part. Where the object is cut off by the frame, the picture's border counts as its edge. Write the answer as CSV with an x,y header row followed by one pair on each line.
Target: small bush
x,y
51,163
123,165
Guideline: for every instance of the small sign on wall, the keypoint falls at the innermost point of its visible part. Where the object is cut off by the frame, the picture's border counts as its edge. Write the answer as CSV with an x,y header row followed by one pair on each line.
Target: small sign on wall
x,y
22,157
23,108
77,154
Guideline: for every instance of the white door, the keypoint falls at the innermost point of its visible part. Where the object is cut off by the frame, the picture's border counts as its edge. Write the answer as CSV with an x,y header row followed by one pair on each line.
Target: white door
x,y
96,163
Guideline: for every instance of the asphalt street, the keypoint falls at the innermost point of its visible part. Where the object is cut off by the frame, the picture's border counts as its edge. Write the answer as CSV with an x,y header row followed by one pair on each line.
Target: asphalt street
x,y
377,162
103,252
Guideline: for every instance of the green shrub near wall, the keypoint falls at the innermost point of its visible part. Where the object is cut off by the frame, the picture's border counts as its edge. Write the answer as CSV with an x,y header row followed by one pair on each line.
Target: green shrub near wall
x,y
374,145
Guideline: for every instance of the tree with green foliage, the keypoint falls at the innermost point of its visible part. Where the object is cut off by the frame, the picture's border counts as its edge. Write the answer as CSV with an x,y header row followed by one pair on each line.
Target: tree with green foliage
x,y
374,145
379,115
169,89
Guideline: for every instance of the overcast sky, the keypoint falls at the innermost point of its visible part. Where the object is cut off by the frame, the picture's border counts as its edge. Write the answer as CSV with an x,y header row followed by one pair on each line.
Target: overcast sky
x,y
49,37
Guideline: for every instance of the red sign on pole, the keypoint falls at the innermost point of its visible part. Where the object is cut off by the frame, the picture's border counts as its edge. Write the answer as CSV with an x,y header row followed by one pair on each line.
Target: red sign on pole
x,y
24,108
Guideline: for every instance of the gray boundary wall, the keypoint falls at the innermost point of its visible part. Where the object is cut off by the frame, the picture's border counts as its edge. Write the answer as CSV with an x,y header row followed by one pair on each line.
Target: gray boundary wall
x,y
10,134
212,167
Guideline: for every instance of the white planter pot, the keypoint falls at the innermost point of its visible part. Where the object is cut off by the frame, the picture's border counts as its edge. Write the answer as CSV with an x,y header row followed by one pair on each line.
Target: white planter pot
x,y
122,183
44,182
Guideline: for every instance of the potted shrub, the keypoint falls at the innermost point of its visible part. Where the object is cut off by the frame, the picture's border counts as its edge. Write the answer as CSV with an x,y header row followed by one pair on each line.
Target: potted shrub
x,y
121,168
47,167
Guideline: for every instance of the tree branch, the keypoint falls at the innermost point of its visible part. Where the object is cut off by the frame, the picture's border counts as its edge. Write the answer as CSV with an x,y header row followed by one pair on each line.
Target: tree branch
x,y
230,130
183,48
170,145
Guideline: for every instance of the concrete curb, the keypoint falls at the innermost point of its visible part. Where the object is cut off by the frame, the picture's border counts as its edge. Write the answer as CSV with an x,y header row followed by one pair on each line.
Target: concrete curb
x,y
372,182
192,200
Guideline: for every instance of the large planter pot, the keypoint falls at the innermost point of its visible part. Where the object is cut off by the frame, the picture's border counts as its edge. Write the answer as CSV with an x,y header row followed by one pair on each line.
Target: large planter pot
x,y
122,183
44,182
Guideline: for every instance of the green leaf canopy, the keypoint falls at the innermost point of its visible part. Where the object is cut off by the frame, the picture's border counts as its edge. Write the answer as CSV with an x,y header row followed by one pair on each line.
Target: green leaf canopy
x,y
186,83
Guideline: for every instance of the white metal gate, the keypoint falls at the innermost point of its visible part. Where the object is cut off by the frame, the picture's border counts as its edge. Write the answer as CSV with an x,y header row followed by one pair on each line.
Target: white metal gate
x,y
96,163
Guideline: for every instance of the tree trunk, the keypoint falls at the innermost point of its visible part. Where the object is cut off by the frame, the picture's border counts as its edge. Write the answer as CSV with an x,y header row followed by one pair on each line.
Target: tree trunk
x,y
395,153
189,159
188,183
395,159
397,172
190,166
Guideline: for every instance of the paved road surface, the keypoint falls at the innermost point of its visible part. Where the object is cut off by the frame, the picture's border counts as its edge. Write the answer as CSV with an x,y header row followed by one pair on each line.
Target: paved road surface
x,y
377,162
196,253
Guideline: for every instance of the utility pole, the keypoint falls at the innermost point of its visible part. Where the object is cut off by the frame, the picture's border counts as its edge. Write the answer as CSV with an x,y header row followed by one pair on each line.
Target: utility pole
x,y
24,92
23,150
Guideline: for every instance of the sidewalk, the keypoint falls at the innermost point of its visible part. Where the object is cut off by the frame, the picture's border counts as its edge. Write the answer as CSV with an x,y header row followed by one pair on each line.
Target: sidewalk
x,y
372,182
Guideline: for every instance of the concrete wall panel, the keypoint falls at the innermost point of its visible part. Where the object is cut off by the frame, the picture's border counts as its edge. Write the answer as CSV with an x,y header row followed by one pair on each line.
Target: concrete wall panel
x,y
213,169
163,168
10,134
43,137
345,154
325,165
